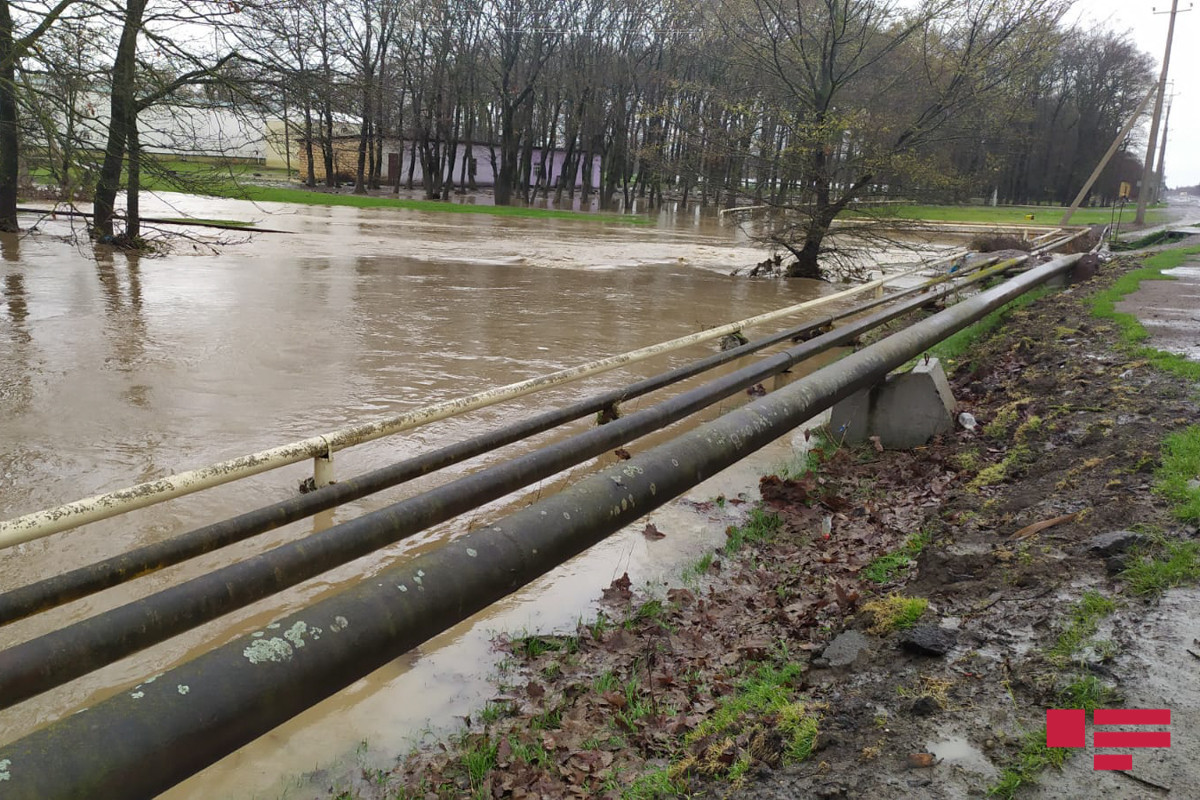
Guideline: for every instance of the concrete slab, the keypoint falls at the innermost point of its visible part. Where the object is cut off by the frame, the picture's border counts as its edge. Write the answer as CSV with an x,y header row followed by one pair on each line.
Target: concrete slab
x,y
905,411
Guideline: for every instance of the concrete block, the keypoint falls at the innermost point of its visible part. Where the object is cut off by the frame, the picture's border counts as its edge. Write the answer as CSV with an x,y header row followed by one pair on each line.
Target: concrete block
x,y
905,411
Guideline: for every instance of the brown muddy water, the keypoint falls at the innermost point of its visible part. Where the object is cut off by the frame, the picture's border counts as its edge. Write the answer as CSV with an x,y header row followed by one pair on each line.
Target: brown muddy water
x,y
117,369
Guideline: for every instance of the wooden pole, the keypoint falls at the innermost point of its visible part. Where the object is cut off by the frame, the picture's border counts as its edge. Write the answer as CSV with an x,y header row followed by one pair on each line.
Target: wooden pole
x,y
1087,187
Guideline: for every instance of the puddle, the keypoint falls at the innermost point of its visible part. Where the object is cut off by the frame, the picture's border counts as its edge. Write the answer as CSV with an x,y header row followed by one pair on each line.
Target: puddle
x,y
957,751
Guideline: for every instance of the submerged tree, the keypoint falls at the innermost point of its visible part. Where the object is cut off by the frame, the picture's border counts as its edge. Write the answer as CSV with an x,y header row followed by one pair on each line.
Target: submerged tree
x,y
15,44
866,90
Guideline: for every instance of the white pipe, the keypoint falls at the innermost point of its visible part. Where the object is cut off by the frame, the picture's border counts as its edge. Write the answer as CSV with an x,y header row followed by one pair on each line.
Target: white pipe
x,y
92,509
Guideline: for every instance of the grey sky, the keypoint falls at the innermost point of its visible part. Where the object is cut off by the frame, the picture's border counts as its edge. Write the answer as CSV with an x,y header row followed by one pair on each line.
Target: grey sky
x,y
1150,32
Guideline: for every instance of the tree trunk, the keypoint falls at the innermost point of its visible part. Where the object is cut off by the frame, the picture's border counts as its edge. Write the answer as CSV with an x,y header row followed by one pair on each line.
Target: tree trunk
x,y
123,108
133,185
9,137
310,179
506,178
364,138
327,146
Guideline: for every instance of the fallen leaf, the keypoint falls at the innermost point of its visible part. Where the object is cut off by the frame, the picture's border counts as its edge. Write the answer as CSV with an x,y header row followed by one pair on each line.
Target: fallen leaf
x,y
652,532
615,699
681,597
622,454
619,589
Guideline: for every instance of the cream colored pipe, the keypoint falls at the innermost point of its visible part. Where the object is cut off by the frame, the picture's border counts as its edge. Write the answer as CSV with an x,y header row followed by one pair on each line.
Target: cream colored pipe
x,y
92,509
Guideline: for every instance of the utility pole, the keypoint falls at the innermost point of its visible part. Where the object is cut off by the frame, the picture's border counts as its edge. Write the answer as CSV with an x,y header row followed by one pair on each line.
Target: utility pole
x,y
1148,169
1162,149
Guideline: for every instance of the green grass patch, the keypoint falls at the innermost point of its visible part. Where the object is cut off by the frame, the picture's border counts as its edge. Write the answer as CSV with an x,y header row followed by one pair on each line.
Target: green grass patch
x,y
654,785
954,349
765,696
819,445
1087,692
1174,563
533,646
761,526
272,194
763,705
885,568
1082,623
237,182
999,472
1033,757
894,613
700,567
478,759
1010,215
649,611
1152,240
1133,333
1177,477
494,711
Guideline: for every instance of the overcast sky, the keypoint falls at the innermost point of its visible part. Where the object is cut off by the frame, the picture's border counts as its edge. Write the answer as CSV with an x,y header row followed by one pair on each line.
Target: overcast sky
x,y
1150,32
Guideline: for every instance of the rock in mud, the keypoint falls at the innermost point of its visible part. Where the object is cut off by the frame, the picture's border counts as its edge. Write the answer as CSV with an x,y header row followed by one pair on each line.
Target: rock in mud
x,y
1114,543
929,640
1117,564
846,649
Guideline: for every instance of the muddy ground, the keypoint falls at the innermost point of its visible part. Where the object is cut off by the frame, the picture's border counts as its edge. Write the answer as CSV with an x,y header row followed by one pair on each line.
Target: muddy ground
x,y
888,624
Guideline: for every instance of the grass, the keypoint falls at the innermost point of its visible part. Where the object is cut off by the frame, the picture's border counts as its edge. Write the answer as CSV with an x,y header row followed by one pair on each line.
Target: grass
x,y
236,182
1087,692
885,568
1014,215
1082,623
953,349
764,705
1176,563
649,611
998,473
653,785
1132,332
494,711
761,526
894,613
767,694
810,461
478,759
534,646
1033,757
1160,237
700,567
1177,477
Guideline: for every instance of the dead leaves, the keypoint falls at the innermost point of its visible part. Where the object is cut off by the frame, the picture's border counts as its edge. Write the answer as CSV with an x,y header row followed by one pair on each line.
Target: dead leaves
x,y
652,533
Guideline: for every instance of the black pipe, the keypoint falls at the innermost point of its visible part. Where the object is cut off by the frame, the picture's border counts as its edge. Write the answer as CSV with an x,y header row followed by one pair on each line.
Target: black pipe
x,y
54,658
56,590
141,742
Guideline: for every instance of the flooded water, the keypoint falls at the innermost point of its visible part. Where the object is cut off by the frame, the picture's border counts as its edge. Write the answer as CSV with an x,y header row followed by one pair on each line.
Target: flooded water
x,y
117,369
